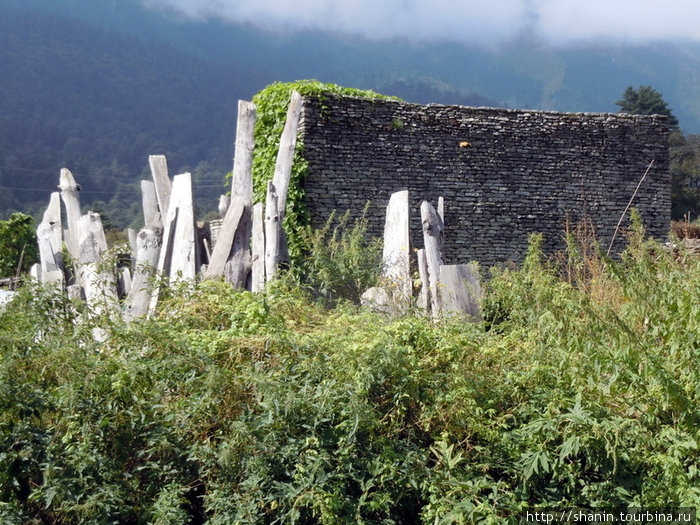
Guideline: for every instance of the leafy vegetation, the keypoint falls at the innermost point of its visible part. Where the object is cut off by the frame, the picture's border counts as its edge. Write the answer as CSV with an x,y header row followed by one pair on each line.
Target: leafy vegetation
x,y
580,388
271,105
18,245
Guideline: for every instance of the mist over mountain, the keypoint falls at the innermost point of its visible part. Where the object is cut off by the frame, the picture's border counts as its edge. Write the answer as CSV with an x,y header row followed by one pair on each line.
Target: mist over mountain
x,y
97,85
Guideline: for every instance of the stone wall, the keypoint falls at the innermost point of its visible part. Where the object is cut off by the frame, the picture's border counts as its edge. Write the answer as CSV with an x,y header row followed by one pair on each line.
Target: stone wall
x,y
503,173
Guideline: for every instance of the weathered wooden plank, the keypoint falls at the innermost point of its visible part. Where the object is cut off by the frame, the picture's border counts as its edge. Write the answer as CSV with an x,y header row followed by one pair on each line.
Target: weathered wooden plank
x,y
98,281
149,201
434,250
396,257
238,267
242,180
183,261
258,248
163,185
424,297
133,246
49,236
285,154
138,300
441,210
224,241
460,290
273,232
69,195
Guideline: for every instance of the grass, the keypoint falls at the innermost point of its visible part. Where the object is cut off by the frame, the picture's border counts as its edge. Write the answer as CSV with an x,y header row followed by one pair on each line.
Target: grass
x,y
579,388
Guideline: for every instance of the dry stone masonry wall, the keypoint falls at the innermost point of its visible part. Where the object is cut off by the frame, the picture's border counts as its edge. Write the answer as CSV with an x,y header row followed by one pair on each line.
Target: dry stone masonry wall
x,y
503,173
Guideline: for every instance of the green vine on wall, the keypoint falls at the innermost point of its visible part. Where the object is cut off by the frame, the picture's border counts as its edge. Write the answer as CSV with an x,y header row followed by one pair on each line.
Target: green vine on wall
x,y
271,107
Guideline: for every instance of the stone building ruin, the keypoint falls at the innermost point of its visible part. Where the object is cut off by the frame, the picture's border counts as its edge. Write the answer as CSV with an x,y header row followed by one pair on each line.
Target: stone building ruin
x,y
503,173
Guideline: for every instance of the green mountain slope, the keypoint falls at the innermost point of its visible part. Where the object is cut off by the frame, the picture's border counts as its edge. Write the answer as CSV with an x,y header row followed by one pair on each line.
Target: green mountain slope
x,y
97,85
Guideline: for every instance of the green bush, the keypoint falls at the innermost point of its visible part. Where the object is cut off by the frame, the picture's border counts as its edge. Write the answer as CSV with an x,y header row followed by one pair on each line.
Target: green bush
x,y
18,244
580,388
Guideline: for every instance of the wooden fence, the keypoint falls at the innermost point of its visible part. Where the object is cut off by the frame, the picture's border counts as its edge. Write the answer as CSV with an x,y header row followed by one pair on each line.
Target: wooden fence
x,y
250,243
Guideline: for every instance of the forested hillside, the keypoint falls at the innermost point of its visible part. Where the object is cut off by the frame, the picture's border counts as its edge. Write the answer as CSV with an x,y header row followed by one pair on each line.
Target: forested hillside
x,y
100,102
97,85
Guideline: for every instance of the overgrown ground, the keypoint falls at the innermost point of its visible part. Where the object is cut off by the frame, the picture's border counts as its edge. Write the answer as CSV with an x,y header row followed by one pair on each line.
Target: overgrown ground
x,y
580,388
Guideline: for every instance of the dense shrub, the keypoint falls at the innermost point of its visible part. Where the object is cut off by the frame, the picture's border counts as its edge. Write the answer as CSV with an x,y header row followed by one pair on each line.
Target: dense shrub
x,y
580,388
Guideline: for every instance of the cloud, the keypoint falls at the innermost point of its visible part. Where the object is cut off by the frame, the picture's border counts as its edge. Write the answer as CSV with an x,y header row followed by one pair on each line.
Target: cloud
x,y
565,21
476,21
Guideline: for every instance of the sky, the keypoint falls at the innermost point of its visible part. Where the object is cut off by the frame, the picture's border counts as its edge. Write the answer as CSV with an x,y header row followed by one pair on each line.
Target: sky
x,y
559,22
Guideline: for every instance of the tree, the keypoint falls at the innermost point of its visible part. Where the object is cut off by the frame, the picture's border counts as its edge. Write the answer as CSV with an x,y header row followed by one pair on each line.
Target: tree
x,y
18,244
645,101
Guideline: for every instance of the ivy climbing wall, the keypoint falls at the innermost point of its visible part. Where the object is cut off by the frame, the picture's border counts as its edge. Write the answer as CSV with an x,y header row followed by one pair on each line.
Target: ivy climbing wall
x,y
503,173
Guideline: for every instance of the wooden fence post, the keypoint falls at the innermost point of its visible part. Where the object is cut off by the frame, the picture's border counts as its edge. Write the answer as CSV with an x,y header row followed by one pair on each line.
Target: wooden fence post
x,y
138,300
258,248
69,195
152,217
434,251
460,290
224,241
396,257
238,267
285,154
273,232
163,186
49,236
98,280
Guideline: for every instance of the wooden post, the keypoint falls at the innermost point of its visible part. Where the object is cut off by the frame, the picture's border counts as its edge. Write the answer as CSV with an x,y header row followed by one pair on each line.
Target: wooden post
x,y
434,252
396,265
441,210
224,241
49,236
183,262
242,181
98,281
163,186
69,195
238,267
424,297
273,232
285,154
149,200
258,248
139,297
132,244
460,290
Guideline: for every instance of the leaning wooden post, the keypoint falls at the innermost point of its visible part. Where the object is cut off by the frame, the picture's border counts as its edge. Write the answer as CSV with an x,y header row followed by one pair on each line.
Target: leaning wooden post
x,y
238,266
149,200
69,195
224,242
285,154
139,297
460,290
163,186
49,236
396,265
434,251
273,232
